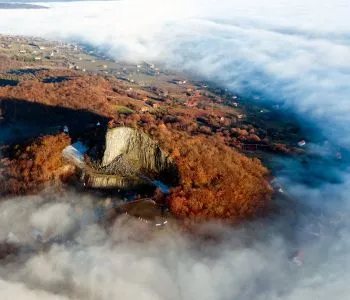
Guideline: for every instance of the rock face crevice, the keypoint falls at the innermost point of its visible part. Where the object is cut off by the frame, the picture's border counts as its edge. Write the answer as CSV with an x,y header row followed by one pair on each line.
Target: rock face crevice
x,y
131,156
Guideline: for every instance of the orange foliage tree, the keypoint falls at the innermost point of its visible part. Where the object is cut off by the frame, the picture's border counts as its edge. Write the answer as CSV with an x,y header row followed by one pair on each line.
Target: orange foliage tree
x,y
215,180
34,165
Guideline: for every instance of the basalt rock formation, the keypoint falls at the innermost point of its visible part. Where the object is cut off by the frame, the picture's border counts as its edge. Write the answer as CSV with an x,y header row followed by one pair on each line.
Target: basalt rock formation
x,y
130,159
138,148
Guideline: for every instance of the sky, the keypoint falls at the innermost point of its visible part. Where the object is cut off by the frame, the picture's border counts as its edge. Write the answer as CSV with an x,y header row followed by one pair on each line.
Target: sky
x,y
295,53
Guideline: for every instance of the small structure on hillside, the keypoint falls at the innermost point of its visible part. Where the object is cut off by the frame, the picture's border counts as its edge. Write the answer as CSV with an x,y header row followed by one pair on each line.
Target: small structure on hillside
x,y
192,102
144,109
301,143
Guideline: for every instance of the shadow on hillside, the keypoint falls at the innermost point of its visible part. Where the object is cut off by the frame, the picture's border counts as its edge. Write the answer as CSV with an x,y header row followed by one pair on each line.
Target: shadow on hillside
x,y
56,79
8,82
32,71
21,119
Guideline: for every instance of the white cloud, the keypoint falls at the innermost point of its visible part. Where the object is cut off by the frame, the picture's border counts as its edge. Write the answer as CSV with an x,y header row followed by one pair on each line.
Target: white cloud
x,y
248,263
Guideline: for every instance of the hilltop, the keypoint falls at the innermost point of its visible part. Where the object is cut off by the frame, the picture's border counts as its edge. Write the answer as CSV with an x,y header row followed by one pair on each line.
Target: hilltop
x,y
214,137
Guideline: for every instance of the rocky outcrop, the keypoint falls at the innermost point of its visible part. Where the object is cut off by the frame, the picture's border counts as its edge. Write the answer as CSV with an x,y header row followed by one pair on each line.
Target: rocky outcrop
x,y
103,181
130,157
137,147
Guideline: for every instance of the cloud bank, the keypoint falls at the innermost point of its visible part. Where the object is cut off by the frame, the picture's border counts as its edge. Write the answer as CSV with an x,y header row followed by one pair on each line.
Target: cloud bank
x,y
297,54
89,263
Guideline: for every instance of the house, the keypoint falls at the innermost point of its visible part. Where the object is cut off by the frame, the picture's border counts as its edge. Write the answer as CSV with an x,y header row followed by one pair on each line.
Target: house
x,y
144,109
301,143
155,105
192,103
37,58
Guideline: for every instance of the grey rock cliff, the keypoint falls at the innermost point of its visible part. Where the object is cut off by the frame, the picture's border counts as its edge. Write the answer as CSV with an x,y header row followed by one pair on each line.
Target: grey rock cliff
x,y
137,147
130,157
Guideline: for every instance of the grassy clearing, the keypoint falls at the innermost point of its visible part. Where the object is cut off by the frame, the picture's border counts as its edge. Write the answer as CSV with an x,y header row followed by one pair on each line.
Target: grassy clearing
x,y
123,109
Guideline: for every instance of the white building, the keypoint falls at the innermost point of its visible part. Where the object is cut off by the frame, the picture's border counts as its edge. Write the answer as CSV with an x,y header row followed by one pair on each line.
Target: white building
x,y
302,143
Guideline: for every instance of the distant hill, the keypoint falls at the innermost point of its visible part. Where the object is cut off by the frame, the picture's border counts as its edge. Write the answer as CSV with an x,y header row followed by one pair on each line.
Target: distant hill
x,y
21,6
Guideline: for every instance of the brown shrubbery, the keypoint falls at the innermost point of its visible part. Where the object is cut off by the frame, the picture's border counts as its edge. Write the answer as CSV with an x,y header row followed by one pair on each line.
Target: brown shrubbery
x,y
79,93
34,165
215,180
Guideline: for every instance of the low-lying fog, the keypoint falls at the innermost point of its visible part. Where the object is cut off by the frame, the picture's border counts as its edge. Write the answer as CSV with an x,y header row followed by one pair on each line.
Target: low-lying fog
x,y
296,53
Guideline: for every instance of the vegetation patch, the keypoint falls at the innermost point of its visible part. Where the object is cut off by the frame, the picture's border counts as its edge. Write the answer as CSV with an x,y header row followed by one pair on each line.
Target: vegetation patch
x,y
123,109
32,166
